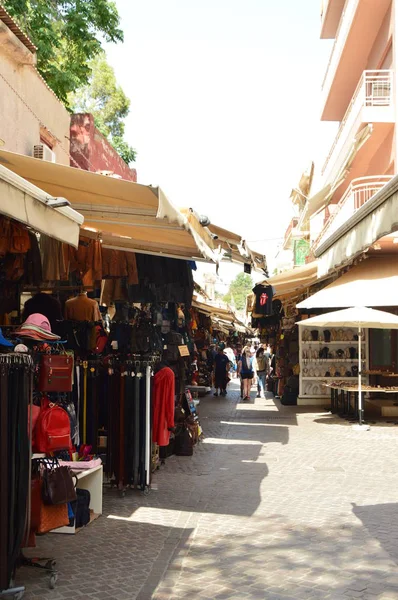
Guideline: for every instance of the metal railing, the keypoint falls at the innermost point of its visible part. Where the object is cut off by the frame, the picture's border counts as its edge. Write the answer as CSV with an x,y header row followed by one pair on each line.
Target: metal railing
x,y
293,223
375,88
357,194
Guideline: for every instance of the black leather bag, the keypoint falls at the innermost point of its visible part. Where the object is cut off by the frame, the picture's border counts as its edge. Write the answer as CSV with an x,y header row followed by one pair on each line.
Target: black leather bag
x,y
58,485
145,338
183,445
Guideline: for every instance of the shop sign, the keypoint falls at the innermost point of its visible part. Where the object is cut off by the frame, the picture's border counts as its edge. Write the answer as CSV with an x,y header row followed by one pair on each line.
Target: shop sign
x,y
301,251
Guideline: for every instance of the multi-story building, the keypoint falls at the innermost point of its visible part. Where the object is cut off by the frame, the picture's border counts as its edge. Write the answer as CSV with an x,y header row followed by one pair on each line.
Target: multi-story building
x,y
32,115
359,91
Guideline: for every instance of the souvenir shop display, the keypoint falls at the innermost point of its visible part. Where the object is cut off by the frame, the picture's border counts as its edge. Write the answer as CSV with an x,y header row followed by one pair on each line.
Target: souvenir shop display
x,y
327,355
93,372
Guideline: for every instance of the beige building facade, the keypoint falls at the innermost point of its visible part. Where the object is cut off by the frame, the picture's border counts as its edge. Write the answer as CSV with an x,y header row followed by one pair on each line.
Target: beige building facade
x,y
30,112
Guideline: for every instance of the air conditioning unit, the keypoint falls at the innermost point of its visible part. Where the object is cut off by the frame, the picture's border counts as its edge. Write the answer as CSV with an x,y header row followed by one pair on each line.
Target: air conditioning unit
x,y
43,152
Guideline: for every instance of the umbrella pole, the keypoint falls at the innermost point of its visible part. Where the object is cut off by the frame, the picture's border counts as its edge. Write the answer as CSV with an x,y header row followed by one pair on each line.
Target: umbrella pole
x,y
360,411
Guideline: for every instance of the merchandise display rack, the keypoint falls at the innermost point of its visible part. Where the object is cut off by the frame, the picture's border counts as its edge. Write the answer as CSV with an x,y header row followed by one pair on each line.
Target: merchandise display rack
x,y
316,370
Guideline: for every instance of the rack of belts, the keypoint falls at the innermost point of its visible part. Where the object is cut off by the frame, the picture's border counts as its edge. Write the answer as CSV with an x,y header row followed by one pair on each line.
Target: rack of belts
x,y
113,400
16,386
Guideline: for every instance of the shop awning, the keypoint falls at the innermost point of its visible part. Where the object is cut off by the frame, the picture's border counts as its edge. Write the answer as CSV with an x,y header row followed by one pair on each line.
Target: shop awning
x,y
372,221
229,245
373,282
222,316
293,280
30,205
128,215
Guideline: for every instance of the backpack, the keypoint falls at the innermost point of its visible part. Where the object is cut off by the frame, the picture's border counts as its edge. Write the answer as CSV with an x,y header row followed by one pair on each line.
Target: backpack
x,y
171,342
81,508
52,428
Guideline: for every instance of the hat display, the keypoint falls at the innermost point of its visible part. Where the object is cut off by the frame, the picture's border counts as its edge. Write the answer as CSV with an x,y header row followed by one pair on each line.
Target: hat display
x,y
4,341
36,327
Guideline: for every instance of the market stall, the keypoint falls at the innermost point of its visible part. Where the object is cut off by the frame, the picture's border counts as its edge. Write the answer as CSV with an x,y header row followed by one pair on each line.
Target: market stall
x,y
100,325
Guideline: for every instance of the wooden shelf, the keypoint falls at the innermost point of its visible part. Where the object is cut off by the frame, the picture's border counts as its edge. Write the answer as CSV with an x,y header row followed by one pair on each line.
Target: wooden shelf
x,y
334,360
323,377
352,342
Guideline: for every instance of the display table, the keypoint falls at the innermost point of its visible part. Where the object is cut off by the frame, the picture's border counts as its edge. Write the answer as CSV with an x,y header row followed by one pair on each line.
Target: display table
x,y
91,480
342,394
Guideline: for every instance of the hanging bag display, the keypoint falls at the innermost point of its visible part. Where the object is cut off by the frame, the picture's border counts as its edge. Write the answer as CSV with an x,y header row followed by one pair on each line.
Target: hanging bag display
x,y
56,373
172,341
52,428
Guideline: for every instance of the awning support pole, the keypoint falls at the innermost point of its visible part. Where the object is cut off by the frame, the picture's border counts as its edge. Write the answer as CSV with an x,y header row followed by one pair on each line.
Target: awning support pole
x,y
360,409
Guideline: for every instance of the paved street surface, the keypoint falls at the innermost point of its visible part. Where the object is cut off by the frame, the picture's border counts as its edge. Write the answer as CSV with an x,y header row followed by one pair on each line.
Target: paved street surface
x,y
277,502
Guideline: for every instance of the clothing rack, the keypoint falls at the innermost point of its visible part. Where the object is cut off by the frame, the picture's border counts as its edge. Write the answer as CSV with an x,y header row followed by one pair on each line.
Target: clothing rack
x,y
16,387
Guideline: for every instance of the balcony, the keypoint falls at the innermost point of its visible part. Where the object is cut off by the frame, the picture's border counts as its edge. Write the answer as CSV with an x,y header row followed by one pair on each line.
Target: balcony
x,y
372,103
359,24
290,233
357,194
330,18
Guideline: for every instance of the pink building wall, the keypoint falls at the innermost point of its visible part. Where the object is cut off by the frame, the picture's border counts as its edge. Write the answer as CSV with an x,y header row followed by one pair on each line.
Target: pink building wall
x,y
91,151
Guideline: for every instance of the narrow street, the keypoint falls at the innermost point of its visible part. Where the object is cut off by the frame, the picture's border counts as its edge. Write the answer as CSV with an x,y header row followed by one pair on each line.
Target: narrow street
x,y
275,503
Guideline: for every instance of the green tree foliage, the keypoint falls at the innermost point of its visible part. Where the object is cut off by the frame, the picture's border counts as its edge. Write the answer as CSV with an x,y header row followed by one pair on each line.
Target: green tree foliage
x,y
239,288
68,35
106,101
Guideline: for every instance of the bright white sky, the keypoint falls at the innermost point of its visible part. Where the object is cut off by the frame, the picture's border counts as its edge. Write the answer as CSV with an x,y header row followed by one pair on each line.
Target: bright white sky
x,y
225,104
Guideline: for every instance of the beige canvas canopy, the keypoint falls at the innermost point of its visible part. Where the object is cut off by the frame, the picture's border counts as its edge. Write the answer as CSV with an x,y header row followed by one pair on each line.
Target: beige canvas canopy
x,y
32,206
127,215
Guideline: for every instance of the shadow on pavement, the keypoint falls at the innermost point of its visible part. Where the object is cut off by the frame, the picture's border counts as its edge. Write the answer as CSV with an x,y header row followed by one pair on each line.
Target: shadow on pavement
x,y
381,521
112,558
270,558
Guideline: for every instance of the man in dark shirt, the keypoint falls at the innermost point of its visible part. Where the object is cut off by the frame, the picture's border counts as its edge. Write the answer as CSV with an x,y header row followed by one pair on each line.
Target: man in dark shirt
x,y
221,368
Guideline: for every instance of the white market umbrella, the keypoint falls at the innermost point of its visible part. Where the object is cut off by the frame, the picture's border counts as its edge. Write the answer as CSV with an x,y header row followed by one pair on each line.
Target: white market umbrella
x,y
360,317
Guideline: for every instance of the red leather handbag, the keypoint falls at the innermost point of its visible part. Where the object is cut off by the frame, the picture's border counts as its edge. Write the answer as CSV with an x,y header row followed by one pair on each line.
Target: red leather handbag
x,y
56,373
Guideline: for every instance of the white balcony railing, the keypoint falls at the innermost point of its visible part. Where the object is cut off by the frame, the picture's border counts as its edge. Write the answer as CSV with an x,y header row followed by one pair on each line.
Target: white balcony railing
x,y
375,88
356,195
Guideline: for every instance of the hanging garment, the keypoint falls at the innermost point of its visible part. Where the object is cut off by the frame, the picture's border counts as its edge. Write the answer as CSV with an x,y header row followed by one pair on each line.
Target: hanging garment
x,y
86,261
163,406
113,263
82,308
263,303
53,259
33,269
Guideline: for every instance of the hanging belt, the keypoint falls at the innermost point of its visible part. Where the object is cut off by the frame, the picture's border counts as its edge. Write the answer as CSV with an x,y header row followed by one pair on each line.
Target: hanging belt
x,y
85,366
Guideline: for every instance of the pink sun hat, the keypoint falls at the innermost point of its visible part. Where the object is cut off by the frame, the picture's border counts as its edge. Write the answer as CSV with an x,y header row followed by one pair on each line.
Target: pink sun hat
x,y
36,327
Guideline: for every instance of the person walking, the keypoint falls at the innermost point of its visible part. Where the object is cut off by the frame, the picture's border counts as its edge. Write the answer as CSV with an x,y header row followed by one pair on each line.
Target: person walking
x,y
261,367
221,369
238,359
245,371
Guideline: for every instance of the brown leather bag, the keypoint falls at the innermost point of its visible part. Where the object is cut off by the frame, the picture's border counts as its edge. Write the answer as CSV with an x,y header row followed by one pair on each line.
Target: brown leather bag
x,y
58,486
56,373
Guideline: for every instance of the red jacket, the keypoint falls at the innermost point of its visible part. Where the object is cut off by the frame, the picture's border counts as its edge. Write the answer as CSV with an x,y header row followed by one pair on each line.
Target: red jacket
x,y
163,406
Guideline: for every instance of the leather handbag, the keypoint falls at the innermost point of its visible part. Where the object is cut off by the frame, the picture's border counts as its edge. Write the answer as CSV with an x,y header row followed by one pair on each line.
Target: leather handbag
x,y
56,373
58,485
